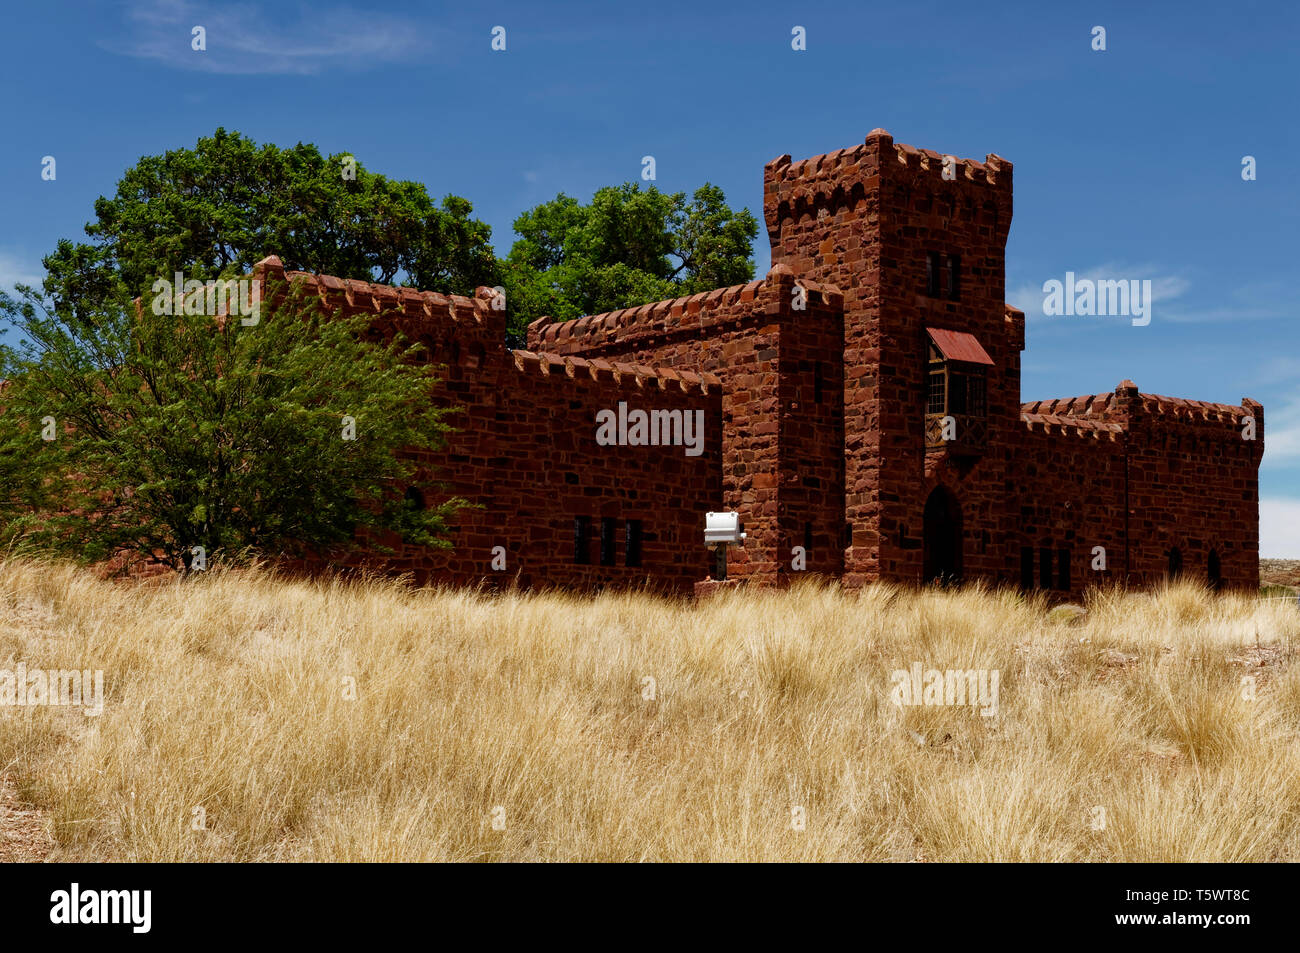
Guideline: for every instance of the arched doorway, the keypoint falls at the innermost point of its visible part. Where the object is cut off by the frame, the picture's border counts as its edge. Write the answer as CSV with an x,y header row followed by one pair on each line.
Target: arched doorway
x,y
942,537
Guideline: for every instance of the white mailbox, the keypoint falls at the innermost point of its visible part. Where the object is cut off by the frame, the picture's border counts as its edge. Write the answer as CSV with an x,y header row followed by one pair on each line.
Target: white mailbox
x,y
723,529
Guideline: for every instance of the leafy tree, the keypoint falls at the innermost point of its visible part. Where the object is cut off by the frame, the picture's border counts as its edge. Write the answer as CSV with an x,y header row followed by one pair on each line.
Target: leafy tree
x,y
176,431
627,247
228,203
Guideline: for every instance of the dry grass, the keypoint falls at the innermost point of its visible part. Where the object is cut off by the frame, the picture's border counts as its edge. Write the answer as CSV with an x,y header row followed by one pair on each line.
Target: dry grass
x,y
228,693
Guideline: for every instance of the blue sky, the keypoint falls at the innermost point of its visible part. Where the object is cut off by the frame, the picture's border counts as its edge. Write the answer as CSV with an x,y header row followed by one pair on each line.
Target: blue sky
x,y
1128,161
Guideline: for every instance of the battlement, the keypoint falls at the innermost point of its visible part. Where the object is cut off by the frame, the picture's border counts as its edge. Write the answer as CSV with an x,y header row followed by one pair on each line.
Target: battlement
x,y
842,179
351,296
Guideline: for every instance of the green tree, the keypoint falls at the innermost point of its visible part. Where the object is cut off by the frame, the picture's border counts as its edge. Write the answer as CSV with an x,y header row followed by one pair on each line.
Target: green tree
x,y
176,431
627,247
228,203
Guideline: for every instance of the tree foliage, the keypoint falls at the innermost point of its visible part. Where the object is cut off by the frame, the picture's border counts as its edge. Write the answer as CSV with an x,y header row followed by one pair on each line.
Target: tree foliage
x,y
176,431
228,203
627,247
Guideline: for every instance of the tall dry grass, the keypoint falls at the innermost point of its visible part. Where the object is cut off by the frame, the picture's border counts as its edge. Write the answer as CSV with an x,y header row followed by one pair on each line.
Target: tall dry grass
x,y
228,693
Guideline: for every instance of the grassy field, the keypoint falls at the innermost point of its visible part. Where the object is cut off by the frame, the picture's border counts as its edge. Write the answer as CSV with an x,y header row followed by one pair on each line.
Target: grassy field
x,y
251,718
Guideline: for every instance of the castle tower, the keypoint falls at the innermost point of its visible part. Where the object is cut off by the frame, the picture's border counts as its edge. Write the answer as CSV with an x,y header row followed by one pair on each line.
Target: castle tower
x,y
916,241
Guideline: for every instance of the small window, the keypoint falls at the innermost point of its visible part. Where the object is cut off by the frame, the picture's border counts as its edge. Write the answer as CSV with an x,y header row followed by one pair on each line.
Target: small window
x,y
582,540
954,277
1045,567
818,382
807,537
1063,569
1214,571
1026,567
414,499
607,524
933,267
967,393
1175,563
632,543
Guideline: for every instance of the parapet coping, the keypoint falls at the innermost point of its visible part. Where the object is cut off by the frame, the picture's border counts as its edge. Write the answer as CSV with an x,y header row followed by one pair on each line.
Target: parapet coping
x,y
815,168
672,314
641,375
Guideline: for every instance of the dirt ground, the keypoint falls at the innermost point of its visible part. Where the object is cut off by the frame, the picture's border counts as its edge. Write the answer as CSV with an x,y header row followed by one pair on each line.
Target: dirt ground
x,y
1279,572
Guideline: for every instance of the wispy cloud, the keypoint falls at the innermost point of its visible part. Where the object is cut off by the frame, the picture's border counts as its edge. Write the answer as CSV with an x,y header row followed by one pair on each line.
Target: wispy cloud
x,y
250,39
1279,528
1258,301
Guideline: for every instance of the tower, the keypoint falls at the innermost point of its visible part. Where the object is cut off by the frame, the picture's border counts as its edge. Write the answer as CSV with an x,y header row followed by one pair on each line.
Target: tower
x,y
916,241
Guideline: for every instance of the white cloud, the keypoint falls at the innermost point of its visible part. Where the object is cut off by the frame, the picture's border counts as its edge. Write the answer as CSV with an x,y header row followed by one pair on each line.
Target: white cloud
x,y
1279,528
249,39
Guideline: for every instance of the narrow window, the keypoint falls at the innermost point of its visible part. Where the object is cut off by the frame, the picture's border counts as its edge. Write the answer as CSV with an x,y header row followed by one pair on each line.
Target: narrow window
x,y
1026,567
1063,569
954,277
818,382
607,524
1214,571
632,543
932,270
1045,567
807,537
582,540
1175,563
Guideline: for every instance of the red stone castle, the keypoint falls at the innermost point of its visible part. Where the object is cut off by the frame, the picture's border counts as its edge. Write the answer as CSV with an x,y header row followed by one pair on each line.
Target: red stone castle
x,y
862,401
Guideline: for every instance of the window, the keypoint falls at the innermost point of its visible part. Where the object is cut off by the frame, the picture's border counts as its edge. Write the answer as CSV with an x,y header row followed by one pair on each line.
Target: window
x,y
966,391
956,387
1214,571
581,540
1026,567
818,382
807,537
1045,567
632,543
1063,569
607,525
933,267
414,499
937,400
954,277
1175,563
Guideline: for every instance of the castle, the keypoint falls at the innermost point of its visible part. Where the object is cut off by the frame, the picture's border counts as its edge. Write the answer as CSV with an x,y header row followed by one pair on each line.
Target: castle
x,y
859,407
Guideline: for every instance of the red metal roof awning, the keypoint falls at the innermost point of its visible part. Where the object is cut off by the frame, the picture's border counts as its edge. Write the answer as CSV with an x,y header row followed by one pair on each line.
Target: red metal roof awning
x,y
958,346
